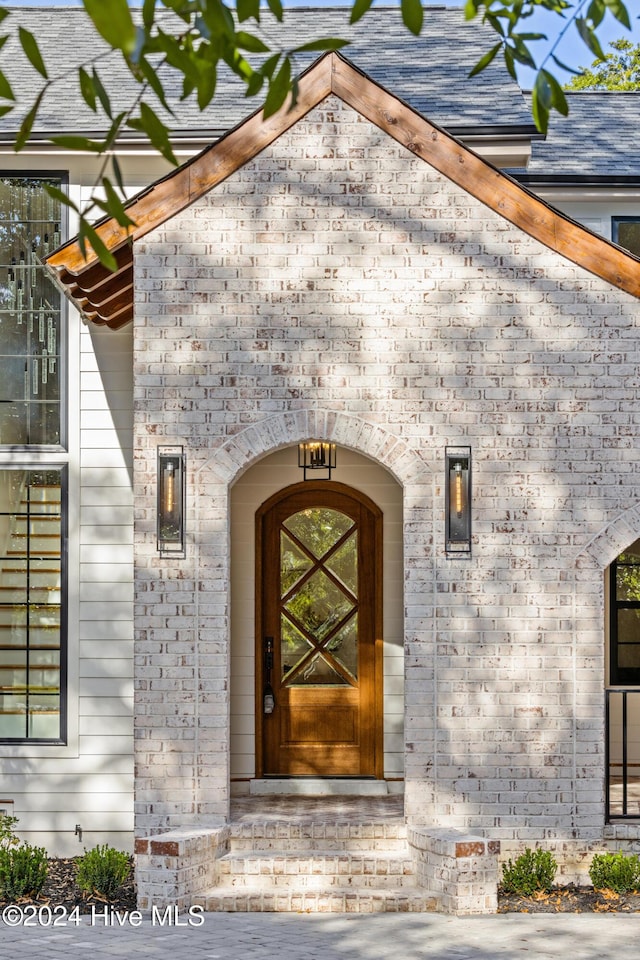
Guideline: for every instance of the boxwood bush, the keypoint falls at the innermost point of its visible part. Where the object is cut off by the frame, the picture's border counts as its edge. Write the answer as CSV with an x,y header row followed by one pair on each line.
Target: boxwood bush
x,y
532,872
615,871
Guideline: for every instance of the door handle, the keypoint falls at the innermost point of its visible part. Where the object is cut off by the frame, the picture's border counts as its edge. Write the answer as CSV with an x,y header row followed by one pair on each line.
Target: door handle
x,y
268,698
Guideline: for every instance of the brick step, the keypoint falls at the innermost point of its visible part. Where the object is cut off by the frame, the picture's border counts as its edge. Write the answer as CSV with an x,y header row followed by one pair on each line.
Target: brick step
x,y
329,900
316,870
317,835
324,844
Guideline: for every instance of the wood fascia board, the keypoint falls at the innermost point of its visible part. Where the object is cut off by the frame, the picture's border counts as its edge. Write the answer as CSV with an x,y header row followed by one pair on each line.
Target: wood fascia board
x,y
483,181
333,74
188,183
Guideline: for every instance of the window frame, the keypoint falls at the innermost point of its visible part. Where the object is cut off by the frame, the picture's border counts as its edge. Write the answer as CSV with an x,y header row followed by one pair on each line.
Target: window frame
x,y
51,456
49,448
61,740
619,676
615,231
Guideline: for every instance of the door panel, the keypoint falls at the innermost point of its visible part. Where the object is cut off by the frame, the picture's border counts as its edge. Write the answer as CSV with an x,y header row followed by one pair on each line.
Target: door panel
x,y
319,599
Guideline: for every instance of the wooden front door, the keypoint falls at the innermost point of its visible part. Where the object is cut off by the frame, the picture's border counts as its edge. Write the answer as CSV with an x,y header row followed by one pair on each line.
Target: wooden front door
x,y
319,650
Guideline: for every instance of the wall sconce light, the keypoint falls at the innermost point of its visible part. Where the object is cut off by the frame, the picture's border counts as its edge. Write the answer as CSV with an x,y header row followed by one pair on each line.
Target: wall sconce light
x,y
171,500
458,499
317,455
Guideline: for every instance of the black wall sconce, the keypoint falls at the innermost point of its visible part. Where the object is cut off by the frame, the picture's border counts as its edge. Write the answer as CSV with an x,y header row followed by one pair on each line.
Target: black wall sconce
x,y
317,455
171,500
458,499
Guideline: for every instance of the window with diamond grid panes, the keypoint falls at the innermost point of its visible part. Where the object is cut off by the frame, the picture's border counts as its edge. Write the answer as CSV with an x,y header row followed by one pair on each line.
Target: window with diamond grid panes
x,y
30,314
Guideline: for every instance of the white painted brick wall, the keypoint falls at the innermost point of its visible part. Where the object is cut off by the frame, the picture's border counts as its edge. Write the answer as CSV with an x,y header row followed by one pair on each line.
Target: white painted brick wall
x,y
338,287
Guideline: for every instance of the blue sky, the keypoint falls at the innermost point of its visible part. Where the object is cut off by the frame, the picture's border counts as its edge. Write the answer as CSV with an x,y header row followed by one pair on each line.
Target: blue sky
x,y
571,50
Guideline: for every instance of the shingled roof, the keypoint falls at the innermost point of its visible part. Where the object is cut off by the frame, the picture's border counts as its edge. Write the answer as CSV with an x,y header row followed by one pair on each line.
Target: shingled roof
x,y
107,298
430,72
597,143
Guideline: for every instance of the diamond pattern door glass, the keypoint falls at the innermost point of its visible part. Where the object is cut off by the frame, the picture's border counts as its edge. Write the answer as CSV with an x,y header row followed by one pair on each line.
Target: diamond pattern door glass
x,y
319,598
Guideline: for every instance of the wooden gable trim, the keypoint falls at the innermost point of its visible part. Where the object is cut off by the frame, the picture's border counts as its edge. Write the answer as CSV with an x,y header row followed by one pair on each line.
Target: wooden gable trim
x,y
86,281
485,182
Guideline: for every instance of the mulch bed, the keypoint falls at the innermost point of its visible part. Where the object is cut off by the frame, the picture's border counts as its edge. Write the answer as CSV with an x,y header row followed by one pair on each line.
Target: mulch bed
x,y
60,890
570,900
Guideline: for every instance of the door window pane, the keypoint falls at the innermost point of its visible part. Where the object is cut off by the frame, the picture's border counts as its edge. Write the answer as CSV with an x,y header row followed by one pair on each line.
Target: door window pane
x,y
319,599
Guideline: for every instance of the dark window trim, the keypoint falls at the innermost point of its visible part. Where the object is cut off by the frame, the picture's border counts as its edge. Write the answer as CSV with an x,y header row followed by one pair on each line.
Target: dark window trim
x,y
64,606
56,448
619,675
615,223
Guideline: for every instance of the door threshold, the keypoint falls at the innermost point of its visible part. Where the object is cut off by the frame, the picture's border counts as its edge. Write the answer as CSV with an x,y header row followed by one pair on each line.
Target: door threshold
x,y
318,787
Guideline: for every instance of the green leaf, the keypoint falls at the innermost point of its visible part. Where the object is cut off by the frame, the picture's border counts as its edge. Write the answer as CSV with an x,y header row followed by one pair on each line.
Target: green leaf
x,y
87,88
59,196
276,9
471,9
87,232
540,112
101,93
152,78
115,206
32,52
248,9
112,20
5,88
117,172
247,41
330,43
70,142
510,62
27,124
558,99
412,15
218,18
240,66
589,38
114,130
547,94
596,12
177,57
521,53
619,11
485,60
563,66
148,13
278,89
254,84
360,7
156,131
207,85
270,65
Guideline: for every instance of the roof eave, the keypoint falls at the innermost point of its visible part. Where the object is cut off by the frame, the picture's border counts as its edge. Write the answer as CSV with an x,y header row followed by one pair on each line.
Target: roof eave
x,y
334,74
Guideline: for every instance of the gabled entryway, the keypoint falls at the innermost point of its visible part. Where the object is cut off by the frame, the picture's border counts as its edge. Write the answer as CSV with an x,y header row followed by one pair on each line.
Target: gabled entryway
x,y
317,568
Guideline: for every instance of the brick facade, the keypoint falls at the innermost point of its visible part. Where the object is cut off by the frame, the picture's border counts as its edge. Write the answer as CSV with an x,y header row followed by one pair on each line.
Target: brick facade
x,y
338,287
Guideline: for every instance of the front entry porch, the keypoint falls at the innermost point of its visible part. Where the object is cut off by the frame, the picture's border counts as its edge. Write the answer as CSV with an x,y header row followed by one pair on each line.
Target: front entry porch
x,y
329,854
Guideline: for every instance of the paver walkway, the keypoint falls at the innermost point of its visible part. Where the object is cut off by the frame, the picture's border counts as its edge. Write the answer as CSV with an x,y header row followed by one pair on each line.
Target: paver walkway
x,y
338,937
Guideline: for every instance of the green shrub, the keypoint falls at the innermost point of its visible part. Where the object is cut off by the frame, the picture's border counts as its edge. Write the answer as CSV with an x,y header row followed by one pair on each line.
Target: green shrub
x,y
615,871
102,870
23,871
7,833
533,871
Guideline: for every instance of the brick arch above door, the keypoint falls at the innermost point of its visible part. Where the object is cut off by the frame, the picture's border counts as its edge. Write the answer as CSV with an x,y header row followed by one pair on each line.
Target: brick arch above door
x,y
612,540
405,462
